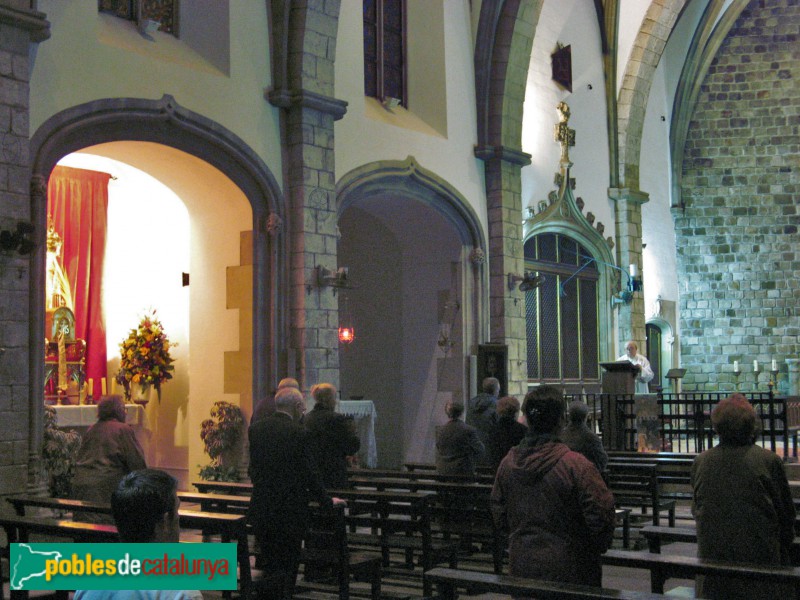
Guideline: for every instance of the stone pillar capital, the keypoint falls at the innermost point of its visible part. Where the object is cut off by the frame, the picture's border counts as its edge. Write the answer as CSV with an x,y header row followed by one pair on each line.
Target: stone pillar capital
x,y
34,22
628,195
514,156
291,98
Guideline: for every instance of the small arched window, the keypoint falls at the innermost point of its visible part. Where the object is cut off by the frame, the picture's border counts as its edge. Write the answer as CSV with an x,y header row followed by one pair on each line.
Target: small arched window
x,y
561,314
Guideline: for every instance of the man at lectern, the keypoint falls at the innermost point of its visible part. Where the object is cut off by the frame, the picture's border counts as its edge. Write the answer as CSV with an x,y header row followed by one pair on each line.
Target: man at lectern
x,y
645,372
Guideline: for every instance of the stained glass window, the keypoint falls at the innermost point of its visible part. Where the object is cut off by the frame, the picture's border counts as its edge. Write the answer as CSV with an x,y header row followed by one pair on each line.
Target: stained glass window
x,y
561,314
384,49
163,11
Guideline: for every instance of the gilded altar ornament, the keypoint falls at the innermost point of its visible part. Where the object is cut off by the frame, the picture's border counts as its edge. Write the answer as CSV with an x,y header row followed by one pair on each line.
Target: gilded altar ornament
x,y
563,134
57,285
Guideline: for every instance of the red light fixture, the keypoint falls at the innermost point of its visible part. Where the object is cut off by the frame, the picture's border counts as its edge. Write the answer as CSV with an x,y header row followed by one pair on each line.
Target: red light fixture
x,y
346,334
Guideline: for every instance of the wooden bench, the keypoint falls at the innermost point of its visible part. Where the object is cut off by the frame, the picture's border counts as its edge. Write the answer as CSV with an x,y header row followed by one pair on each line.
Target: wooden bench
x,y
230,527
427,475
326,545
448,581
657,536
663,567
224,487
672,470
635,485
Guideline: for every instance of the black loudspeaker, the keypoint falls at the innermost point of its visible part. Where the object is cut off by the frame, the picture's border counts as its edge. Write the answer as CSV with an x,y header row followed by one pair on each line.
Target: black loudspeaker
x,y
493,362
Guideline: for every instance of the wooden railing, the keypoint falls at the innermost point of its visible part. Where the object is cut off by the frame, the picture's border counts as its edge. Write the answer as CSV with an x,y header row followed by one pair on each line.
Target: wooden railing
x,y
685,422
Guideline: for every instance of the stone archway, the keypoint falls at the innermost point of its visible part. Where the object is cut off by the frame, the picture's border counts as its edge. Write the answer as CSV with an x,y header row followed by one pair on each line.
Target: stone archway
x,y
164,122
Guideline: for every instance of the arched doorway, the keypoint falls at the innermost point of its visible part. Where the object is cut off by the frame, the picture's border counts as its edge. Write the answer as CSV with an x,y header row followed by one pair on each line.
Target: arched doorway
x,y
163,137
414,250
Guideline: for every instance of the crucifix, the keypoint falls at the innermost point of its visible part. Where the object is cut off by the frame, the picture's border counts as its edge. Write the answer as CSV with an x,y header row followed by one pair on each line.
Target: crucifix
x,y
563,134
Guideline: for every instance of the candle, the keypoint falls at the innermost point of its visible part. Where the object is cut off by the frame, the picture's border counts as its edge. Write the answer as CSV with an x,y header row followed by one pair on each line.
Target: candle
x,y
736,366
91,388
755,366
103,386
774,365
633,271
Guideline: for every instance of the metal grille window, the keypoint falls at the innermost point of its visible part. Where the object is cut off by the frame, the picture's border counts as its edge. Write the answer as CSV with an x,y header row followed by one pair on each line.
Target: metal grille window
x,y
561,314
384,49
165,12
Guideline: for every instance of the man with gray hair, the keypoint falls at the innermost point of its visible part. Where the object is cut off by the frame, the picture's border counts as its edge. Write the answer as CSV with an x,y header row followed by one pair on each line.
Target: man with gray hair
x,y
580,438
266,406
482,411
285,478
458,447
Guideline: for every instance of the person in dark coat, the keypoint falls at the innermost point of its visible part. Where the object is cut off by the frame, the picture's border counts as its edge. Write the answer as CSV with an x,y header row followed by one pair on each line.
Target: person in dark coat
x,y
333,436
742,504
266,406
109,451
580,438
458,447
285,478
552,502
482,411
507,432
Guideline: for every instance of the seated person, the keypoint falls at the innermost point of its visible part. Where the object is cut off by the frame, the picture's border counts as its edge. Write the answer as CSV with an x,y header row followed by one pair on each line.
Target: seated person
x,y
108,452
145,507
458,448
332,435
507,431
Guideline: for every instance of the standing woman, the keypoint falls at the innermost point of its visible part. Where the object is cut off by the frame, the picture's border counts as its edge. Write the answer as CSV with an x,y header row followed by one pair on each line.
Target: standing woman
x,y
552,502
109,451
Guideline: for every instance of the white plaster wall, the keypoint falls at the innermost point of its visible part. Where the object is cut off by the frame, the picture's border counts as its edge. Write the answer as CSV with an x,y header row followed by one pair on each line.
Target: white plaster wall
x,y
570,22
92,56
368,132
631,15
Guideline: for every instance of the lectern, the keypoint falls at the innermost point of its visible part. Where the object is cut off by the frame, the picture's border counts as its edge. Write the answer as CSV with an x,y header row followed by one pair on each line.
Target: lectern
x,y
619,378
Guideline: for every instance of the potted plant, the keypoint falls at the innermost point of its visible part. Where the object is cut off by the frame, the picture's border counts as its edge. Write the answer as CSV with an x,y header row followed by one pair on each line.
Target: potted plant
x,y
221,435
59,454
144,357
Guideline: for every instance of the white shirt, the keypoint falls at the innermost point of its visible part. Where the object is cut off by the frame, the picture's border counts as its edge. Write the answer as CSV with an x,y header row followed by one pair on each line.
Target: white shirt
x,y
645,374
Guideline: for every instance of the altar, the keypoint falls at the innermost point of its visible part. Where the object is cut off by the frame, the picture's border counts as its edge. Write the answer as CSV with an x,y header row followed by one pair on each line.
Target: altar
x,y
364,415
83,416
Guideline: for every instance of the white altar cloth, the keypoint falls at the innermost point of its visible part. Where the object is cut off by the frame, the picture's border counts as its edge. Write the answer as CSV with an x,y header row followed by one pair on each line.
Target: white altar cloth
x,y
364,415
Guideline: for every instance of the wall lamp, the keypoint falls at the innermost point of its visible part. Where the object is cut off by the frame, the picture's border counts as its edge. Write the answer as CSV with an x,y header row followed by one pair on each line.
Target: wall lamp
x,y
527,281
18,240
330,278
624,296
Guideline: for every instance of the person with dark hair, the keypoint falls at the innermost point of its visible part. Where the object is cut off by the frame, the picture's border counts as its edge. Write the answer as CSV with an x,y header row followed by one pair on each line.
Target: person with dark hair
x,y
458,447
482,411
285,479
742,503
333,436
580,438
266,406
108,452
507,431
145,507
552,502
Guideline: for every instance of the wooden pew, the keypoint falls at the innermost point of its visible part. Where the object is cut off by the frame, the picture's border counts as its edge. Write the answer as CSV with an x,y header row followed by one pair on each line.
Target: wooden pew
x,y
657,536
448,581
230,527
672,470
663,567
224,487
635,485
486,478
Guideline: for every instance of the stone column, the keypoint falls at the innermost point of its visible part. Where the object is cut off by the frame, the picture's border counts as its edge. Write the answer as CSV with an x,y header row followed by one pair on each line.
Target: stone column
x,y
312,228
631,319
20,403
507,307
793,366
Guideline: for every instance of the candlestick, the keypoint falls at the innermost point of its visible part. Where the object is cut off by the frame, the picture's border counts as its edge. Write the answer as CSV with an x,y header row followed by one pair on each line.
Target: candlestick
x,y
103,386
91,388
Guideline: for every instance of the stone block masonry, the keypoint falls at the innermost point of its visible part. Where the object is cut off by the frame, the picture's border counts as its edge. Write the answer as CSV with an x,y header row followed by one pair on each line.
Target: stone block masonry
x,y
738,248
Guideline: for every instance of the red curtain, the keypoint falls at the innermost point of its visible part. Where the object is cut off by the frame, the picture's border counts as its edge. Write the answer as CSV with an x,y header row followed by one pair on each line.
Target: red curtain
x,y
77,200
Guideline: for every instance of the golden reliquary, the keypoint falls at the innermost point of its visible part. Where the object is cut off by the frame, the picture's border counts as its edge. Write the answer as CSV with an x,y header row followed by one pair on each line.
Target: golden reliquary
x,y
64,359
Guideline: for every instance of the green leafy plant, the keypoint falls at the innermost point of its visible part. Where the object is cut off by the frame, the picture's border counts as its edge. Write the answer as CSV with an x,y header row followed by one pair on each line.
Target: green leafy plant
x,y
221,435
59,454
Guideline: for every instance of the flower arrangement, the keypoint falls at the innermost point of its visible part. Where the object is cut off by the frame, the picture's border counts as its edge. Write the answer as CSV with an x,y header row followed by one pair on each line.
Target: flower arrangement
x,y
144,357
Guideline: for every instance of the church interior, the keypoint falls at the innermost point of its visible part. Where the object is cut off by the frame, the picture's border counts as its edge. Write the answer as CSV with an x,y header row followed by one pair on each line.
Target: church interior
x,y
398,197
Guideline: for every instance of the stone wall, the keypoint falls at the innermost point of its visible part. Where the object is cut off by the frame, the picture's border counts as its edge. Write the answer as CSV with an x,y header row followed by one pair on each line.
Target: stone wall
x,y
737,240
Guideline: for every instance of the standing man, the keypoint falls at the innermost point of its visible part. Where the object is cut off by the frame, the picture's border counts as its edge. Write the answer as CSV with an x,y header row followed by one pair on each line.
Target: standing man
x,y
285,478
266,406
645,374
458,447
482,410
580,438
742,503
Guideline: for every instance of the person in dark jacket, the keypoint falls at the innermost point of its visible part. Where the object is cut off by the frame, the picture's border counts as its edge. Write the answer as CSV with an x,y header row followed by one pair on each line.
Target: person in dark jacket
x,y
285,478
332,435
108,452
266,406
482,409
507,432
580,438
458,447
742,504
552,502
